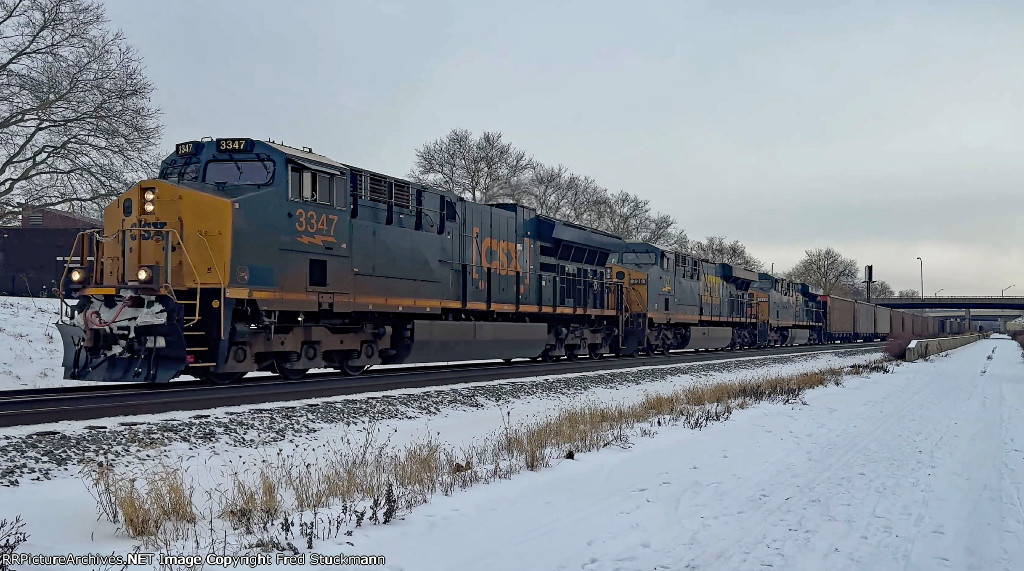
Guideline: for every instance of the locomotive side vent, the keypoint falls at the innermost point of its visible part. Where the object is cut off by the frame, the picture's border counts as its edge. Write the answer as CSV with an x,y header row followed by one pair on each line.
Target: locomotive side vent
x,y
403,197
378,189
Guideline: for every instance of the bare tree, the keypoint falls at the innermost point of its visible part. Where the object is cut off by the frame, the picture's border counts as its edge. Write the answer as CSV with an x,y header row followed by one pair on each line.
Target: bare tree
x,y
678,241
908,293
545,189
882,289
718,249
827,269
630,216
486,169
879,289
582,200
483,169
76,122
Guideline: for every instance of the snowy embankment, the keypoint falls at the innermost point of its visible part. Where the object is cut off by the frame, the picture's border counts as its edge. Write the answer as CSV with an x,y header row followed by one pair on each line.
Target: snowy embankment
x,y
919,469
30,347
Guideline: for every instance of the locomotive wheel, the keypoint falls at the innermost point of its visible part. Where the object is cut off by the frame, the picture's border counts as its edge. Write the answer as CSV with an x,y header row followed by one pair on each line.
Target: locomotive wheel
x,y
571,354
291,374
220,378
595,352
352,370
653,350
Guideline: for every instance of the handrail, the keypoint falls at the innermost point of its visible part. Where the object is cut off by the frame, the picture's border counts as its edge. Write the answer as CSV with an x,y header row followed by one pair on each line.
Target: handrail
x,y
223,284
173,237
64,274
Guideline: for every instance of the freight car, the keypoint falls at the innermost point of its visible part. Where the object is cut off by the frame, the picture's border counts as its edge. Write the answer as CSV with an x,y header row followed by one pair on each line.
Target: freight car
x,y
848,320
247,255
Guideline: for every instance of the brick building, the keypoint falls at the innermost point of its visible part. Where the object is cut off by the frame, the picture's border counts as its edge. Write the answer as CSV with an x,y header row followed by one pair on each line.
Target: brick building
x,y
33,254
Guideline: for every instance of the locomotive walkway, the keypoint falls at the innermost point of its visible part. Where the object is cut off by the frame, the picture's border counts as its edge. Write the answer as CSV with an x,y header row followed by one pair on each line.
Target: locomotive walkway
x,y
88,402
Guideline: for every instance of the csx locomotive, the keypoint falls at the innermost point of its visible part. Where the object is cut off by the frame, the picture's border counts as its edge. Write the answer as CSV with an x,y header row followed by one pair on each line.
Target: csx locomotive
x,y
247,255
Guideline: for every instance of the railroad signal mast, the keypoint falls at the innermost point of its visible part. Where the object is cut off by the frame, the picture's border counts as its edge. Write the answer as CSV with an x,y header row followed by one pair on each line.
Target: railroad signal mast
x,y
868,280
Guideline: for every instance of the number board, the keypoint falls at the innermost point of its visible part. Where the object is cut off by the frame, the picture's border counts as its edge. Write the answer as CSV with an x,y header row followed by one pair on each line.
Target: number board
x,y
234,145
637,281
188,149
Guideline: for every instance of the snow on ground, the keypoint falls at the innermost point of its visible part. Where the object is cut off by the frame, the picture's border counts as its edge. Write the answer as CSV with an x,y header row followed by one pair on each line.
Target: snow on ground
x,y
61,515
922,468
30,347
919,469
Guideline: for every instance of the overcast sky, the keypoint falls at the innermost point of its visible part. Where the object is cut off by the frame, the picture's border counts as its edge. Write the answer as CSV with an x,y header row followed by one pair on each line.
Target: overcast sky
x,y
889,130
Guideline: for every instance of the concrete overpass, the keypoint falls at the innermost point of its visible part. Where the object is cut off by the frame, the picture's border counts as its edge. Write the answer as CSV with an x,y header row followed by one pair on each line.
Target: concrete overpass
x,y
952,302
984,308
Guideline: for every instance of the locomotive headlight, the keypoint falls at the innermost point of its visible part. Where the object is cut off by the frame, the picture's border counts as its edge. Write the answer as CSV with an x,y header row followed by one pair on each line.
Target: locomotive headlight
x,y
77,275
144,274
148,207
149,195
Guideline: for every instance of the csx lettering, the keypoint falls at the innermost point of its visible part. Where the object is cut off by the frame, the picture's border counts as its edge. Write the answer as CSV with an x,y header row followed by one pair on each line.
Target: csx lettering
x,y
712,284
495,254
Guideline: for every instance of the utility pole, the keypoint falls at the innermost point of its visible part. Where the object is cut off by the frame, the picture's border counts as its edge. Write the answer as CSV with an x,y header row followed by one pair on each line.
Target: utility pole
x,y
922,277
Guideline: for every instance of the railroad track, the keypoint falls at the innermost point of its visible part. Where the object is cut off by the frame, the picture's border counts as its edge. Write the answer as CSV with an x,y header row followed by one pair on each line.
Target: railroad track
x,y
88,402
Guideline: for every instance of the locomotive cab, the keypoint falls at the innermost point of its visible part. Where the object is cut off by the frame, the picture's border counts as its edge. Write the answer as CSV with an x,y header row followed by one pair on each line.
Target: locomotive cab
x,y
145,295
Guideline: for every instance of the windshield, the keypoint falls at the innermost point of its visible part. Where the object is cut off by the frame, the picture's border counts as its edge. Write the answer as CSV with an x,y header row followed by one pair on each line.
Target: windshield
x,y
186,169
638,258
239,172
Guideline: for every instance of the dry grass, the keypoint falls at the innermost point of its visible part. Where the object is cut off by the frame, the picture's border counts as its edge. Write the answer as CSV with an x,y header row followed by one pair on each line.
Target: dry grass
x,y
144,507
171,496
1018,336
248,506
139,516
364,477
12,536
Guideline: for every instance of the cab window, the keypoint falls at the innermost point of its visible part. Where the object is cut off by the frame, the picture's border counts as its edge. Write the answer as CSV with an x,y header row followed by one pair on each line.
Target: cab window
x,y
310,186
239,172
185,169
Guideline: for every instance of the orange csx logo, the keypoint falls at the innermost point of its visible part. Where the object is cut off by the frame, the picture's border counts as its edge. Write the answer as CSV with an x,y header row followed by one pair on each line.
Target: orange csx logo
x,y
500,255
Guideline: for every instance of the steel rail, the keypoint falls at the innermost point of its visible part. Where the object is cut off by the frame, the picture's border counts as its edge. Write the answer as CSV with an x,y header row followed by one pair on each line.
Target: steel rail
x,y
20,408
